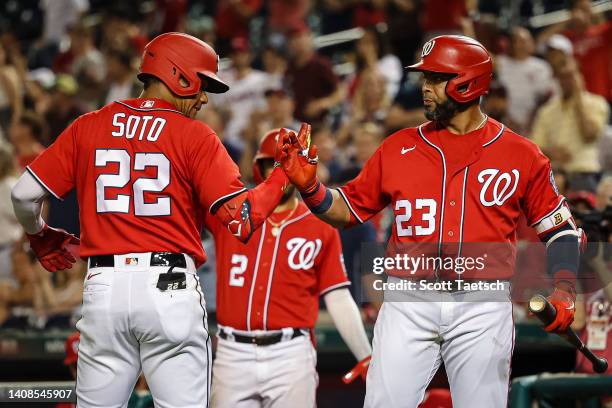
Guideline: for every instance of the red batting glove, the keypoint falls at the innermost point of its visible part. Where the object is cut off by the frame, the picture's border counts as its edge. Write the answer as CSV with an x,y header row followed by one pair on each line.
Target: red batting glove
x,y
53,249
299,159
360,370
563,299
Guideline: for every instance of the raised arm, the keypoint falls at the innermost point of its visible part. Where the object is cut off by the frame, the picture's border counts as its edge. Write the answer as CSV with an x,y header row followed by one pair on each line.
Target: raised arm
x,y
299,161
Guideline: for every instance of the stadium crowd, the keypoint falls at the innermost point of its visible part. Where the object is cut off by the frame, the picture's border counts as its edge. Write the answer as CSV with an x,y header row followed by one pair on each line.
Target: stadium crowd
x,y
337,64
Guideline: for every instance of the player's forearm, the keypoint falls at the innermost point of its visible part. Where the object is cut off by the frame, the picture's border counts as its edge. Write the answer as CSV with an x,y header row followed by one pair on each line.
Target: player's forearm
x,y
244,213
327,205
27,196
347,319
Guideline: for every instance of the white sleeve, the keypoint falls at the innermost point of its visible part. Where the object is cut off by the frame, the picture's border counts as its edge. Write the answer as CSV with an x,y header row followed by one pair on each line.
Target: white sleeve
x,y
28,196
345,314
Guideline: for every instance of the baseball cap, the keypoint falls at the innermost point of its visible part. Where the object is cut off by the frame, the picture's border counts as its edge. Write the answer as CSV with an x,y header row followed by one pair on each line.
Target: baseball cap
x,y
66,84
240,44
585,197
561,43
72,349
277,91
43,76
298,28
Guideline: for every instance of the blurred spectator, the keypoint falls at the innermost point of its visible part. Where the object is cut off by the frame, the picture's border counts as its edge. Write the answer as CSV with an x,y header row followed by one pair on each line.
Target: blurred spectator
x,y
11,230
232,21
370,105
274,60
495,104
605,151
16,294
324,139
527,79
64,105
121,30
28,135
247,87
11,89
407,108
405,32
592,45
217,120
373,54
37,90
85,63
568,127
120,78
59,15
57,302
277,113
558,49
310,78
366,138
447,17
285,14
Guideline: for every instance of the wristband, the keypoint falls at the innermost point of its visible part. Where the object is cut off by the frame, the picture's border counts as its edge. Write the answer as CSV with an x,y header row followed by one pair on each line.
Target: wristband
x,y
319,200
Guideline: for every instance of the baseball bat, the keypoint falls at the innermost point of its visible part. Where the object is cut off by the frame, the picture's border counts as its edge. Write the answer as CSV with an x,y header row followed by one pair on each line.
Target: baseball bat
x,y
541,307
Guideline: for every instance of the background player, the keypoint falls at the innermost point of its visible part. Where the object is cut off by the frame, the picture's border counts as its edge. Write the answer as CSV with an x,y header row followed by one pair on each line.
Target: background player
x,y
145,174
463,177
268,300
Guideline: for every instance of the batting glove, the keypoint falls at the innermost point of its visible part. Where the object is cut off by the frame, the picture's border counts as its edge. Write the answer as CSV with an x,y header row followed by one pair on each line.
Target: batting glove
x,y
52,248
299,159
360,370
563,298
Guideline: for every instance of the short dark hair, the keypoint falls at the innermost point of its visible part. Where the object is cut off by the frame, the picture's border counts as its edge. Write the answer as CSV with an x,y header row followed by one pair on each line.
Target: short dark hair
x,y
147,80
36,124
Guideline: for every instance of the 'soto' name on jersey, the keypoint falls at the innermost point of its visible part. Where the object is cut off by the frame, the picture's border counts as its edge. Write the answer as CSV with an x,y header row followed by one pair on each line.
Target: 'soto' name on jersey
x,y
143,127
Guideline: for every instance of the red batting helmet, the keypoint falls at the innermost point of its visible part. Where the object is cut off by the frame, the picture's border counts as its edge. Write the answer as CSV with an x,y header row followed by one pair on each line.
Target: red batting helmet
x,y
267,147
171,56
463,56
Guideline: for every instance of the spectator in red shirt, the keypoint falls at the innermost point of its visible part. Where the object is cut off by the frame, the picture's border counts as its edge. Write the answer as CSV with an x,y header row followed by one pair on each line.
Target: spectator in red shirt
x,y
592,44
310,78
232,21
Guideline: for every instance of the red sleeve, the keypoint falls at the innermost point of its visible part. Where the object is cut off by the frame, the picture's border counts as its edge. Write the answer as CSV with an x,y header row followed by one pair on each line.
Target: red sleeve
x,y
55,167
364,195
542,197
331,270
214,175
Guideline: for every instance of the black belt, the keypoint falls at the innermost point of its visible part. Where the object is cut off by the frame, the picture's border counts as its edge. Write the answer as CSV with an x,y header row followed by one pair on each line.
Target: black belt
x,y
157,259
259,340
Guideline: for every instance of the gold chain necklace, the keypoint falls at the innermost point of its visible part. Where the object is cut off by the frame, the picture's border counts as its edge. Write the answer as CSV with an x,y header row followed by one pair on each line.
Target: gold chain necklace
x,y
276,225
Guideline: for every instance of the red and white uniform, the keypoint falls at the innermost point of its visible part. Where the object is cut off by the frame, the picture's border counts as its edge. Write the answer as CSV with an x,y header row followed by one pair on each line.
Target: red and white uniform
x,y
142,171
272,283
451,189
145,177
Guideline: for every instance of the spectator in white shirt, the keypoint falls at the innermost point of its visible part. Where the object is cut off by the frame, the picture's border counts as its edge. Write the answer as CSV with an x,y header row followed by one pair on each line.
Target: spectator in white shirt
x,y
528,79
246,94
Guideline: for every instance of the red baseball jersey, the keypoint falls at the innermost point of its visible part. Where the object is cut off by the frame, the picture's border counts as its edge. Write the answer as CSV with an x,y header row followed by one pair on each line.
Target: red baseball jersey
x,y
449,190
274,281
145,175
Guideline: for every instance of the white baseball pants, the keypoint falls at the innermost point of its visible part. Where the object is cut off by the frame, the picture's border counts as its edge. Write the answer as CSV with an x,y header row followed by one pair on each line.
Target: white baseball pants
x,y
129,325
411,338
275,376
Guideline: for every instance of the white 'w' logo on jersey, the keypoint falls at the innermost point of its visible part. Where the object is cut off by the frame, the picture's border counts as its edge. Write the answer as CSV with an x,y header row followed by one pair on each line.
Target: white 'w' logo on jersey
x,y
503,188
302,253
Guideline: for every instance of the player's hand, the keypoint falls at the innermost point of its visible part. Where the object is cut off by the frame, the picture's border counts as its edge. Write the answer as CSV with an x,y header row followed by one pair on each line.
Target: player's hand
x,y
54,248
563,299
299,160
360,370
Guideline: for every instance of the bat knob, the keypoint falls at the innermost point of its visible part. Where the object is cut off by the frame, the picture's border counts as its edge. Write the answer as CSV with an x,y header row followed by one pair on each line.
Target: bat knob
x,y
601,365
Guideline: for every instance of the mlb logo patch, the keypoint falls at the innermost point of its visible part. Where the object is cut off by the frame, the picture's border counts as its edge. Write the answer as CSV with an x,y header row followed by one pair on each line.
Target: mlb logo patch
x,y
131,261
147,104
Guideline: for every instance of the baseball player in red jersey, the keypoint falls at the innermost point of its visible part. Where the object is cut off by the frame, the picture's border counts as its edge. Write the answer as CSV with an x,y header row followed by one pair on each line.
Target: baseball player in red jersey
x,y
460,178
146,174
268,299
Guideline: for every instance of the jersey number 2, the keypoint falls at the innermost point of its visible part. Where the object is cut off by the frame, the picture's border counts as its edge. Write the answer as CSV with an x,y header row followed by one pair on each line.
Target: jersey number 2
x,y
142,185
239,265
